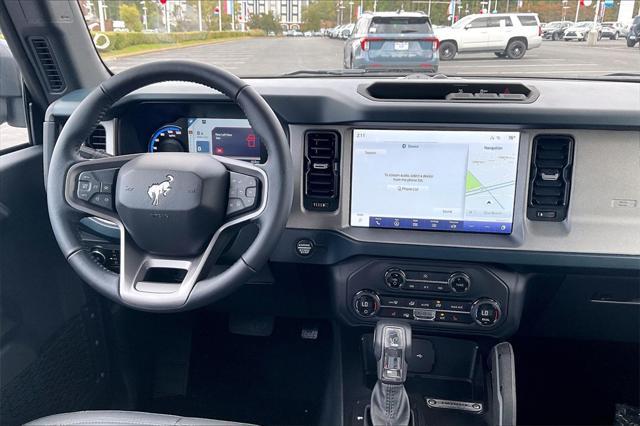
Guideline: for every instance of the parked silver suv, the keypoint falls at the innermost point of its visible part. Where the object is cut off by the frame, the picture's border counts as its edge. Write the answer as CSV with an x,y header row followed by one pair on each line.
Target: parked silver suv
x,y
398,40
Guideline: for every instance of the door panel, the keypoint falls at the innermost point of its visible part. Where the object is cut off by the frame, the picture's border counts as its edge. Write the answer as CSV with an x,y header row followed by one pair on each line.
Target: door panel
x,y
500,31
52,347
475,36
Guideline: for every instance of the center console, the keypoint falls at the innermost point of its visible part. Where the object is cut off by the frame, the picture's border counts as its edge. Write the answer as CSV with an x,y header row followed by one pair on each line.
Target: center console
x,y
431,296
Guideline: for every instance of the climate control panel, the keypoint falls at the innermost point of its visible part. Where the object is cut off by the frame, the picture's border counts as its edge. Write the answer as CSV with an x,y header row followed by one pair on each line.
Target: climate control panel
x,y
420,280
431,295
484,312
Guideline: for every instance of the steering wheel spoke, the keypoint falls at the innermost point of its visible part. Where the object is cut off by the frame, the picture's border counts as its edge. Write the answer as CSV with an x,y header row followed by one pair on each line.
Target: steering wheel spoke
x,y
90,186
248,188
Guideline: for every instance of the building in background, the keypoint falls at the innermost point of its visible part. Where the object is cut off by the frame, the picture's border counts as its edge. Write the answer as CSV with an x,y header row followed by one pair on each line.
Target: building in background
x,y
627,9
288,12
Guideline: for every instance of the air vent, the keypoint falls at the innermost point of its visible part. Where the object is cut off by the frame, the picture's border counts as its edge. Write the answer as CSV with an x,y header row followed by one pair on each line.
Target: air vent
x,y
550,180
322,170
48,64
448,91
98,139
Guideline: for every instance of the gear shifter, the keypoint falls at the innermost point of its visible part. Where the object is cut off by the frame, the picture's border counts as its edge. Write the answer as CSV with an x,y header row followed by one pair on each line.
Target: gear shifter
x,y
389,400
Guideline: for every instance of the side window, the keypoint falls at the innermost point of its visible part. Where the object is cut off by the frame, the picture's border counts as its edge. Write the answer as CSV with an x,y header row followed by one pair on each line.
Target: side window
x,y
478,23
500,21
13,126
528,20
361,27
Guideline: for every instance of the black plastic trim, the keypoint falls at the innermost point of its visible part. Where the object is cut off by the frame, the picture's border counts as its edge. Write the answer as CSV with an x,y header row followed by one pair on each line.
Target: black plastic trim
x,y
333,247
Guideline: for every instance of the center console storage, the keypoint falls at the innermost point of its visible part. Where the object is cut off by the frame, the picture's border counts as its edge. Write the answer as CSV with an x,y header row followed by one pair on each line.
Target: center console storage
x,y
449,381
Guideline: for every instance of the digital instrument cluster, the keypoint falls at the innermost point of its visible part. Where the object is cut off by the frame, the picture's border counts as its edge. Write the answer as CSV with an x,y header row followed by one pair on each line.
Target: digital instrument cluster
x,y
228,137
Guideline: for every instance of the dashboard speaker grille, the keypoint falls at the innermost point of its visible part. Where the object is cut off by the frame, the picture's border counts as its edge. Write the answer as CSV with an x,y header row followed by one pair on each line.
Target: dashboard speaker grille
x,y
48,64
322,170
550,179
98,139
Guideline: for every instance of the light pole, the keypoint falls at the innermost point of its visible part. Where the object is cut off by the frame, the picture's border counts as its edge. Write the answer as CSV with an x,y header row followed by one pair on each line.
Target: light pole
x,y
592,38
167,16
101,8
200,15
233,15
350,10
144,14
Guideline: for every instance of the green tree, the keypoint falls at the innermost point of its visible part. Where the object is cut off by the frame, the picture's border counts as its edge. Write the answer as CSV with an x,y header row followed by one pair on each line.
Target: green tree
x,y
265,22
131,16
320,14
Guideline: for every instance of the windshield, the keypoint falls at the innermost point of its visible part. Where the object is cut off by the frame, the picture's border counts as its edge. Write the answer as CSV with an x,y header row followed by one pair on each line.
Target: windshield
x,y
400,25
269,38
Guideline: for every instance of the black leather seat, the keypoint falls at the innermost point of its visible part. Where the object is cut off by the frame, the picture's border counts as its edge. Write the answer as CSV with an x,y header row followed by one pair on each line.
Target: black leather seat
x,y
113,417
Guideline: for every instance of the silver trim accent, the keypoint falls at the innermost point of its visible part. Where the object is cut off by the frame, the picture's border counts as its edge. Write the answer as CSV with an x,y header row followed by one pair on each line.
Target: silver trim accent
x,y
449,404
110,136
428,314
633,302
134,263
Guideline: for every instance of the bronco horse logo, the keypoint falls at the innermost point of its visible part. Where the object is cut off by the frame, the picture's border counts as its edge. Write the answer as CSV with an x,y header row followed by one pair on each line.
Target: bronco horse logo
x,y
158,189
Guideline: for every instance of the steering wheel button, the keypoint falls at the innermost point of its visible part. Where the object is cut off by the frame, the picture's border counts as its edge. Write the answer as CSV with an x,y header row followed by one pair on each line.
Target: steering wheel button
x,y
87,176
250,192
87,188
106,187
442,288
102,200
84,186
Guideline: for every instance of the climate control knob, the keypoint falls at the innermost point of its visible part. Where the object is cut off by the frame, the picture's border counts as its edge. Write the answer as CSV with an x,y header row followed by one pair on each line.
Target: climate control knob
x,y
459,282
486,312
394,278
366,303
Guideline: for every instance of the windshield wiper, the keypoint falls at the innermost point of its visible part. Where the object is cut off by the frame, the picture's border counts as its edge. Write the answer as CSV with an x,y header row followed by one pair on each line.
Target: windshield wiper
x,y
326,72
359,71
623,74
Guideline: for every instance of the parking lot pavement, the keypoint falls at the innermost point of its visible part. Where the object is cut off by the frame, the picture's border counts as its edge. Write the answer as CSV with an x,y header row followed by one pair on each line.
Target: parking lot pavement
x,y
252,57
553,58
275,56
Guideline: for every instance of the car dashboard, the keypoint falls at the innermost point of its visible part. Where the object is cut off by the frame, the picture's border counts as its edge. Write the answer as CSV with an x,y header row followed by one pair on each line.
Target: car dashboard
x,y
525,176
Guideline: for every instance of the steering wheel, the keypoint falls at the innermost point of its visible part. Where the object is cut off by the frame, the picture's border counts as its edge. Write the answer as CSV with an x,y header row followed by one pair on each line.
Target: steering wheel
x,y
177,212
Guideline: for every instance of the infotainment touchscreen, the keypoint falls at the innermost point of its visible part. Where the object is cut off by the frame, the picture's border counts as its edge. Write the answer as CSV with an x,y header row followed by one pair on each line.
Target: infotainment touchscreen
x,y
460,181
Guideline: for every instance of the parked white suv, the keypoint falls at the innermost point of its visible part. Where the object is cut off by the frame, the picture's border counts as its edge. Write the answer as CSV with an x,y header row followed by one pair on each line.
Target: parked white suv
x,y
506,34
